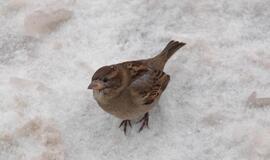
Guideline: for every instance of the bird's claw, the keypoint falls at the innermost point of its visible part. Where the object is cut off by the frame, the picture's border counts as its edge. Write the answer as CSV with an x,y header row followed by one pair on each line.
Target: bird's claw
x,y
144,121
125,123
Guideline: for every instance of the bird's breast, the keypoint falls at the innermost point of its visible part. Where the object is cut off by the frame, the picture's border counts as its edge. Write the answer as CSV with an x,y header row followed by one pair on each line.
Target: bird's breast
x,y
122,106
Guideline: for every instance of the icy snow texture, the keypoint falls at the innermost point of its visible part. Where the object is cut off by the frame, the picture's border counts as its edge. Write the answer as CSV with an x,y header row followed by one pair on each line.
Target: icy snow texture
x,y
203,115
40,22
259,102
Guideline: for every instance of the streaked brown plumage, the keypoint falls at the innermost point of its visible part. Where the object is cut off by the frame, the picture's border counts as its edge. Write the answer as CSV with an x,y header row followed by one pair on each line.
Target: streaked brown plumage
x,y
131,89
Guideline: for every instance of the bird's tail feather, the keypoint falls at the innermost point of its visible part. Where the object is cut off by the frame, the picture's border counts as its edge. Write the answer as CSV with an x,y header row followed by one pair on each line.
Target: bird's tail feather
x,y
160,60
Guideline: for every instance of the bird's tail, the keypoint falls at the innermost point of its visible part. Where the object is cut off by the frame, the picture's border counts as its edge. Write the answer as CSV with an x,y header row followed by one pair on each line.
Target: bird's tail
x,y
160,60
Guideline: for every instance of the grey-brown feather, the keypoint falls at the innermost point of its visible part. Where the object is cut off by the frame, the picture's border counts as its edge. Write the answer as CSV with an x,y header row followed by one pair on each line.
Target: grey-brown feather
x,y
158,62
143,82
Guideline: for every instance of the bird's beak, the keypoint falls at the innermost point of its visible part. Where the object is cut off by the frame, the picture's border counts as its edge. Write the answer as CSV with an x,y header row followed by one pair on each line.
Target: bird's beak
x,y
96,85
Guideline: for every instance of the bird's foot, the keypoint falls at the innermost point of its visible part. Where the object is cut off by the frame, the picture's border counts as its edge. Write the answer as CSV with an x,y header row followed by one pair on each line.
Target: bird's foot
x,y
144,121
125,123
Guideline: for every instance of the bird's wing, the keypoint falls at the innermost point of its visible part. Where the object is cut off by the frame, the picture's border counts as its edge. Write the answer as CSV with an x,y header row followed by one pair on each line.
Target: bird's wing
x,y
149,86
136,69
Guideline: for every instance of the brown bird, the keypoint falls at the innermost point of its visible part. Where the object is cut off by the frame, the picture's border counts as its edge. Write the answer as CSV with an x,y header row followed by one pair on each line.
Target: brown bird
x,y
131,89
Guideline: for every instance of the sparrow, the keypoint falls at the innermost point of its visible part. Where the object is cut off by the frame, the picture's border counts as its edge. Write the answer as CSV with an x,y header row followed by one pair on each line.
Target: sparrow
x,y
129,90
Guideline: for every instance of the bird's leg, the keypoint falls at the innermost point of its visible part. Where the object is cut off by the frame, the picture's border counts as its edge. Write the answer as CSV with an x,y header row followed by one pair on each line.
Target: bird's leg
x,y
125,123
144,121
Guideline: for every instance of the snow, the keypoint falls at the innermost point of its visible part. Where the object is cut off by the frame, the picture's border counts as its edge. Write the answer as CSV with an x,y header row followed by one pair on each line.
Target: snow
x,y
41,22
46,111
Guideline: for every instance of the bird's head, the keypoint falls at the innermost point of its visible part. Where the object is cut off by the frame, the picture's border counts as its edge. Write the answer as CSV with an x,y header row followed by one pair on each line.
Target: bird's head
x,y
106,79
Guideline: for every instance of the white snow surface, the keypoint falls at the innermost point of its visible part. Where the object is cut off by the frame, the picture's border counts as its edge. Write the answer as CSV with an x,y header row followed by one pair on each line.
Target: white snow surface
x,y
47,113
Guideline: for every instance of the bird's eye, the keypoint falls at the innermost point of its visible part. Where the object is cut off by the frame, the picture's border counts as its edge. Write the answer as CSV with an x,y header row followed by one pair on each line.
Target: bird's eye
x,y
105,79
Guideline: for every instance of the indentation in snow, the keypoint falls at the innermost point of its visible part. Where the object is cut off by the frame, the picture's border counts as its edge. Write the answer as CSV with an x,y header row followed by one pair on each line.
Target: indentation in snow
x,y
45,21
